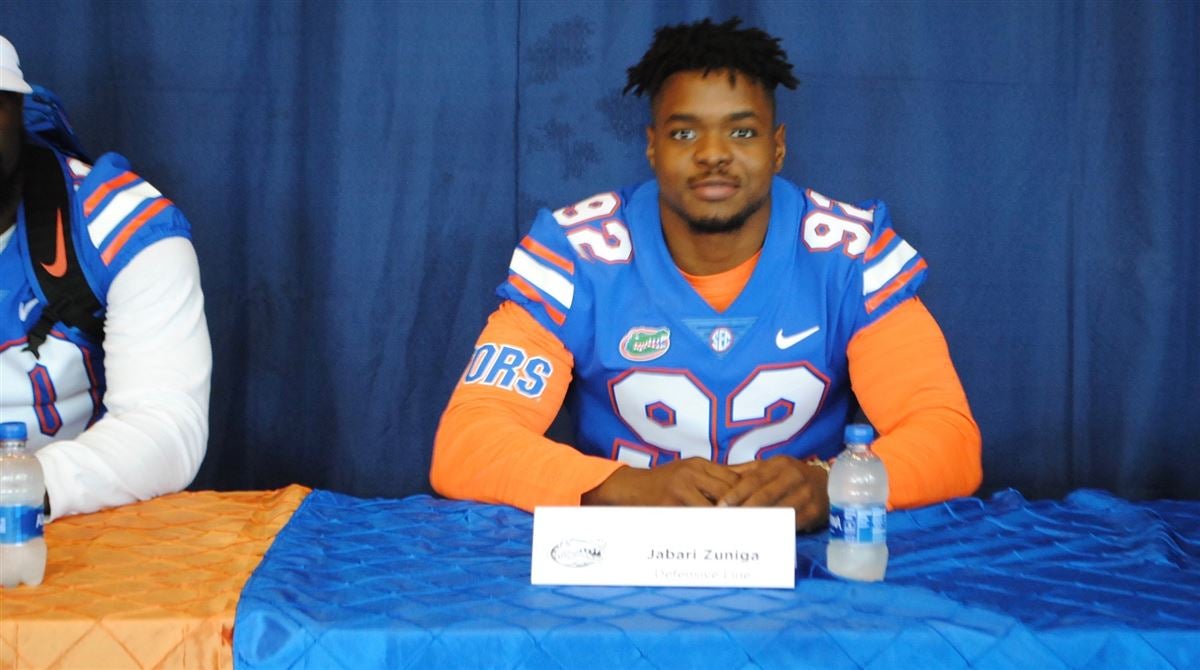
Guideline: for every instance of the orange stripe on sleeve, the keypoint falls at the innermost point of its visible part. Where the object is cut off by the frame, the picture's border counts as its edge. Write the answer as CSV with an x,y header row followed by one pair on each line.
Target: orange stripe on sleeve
x,y
895,285
98,196
491,446
541,251
901,373
132,227
879,244
532,293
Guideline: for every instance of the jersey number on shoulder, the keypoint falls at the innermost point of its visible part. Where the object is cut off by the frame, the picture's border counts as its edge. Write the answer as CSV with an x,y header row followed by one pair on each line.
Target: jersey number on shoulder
x,y
835,224
671,410
593,235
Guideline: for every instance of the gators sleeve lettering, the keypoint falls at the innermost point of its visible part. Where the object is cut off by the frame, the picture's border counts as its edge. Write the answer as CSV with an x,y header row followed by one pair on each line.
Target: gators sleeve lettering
x,y
490,444
901,372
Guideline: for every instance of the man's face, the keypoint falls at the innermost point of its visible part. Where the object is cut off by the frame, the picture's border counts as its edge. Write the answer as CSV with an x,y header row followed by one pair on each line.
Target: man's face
x,y
714,149
10,132
10,141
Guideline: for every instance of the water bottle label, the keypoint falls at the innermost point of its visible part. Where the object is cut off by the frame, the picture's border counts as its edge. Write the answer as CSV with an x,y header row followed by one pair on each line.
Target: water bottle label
x,y
858,525
19,525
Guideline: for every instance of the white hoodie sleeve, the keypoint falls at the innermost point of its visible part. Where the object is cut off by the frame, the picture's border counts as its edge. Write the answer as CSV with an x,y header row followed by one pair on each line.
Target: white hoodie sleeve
x,y
158,367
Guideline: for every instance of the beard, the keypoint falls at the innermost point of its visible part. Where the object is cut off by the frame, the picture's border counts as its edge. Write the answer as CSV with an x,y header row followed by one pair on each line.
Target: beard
x,y
715,225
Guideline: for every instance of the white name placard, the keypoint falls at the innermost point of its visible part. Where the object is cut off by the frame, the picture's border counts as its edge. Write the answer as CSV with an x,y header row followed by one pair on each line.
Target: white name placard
x,y
751,547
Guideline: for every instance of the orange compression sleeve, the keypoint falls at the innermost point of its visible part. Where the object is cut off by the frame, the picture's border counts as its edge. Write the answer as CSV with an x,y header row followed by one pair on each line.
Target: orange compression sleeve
x,y
490,444
901,372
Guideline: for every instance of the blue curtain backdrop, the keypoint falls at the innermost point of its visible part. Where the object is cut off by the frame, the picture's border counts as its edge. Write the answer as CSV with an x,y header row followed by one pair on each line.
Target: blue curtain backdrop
x,y
357,174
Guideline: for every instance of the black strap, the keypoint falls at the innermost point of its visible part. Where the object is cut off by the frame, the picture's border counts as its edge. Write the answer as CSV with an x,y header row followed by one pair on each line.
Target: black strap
x,y
48,214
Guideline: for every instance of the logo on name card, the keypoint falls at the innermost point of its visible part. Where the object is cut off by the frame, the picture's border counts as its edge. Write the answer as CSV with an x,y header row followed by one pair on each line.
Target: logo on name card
x,y
645,344
576,553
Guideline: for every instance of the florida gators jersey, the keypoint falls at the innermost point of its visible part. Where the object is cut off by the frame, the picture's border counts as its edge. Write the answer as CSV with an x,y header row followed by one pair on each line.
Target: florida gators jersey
x,y
658,373
116,215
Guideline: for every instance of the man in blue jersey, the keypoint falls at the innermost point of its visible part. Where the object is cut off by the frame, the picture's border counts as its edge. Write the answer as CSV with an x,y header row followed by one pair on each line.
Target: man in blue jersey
x,y
709,329
115,399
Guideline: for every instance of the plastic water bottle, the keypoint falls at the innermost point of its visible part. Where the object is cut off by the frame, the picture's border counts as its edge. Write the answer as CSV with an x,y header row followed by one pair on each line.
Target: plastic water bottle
x,y
858,491
22,489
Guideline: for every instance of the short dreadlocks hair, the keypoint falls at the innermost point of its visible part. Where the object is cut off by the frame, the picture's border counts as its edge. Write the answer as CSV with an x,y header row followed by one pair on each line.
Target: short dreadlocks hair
x,y
711,46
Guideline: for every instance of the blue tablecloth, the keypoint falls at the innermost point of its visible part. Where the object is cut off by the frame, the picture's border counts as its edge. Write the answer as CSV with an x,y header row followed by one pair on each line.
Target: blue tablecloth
x,y
1089,582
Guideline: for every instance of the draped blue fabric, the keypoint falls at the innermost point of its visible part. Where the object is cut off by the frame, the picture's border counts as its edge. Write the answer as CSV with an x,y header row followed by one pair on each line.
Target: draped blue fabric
x,y
357,174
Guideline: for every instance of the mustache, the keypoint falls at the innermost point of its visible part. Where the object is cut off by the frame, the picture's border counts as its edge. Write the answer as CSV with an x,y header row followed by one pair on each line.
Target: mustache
x,y
716,175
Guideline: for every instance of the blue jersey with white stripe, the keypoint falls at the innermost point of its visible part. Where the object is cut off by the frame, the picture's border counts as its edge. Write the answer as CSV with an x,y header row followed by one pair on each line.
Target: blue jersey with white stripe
x,y
660,375
116,215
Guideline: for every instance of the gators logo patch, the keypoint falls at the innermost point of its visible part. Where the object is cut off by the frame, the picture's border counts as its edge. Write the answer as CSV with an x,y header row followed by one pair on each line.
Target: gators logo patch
x,y
645,344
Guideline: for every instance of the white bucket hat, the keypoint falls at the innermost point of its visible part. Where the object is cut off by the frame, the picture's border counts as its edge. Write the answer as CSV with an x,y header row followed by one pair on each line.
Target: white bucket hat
x,y
11,78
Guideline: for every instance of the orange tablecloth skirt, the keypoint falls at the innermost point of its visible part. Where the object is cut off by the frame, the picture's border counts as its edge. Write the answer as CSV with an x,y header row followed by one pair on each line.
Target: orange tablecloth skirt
x,y
151,585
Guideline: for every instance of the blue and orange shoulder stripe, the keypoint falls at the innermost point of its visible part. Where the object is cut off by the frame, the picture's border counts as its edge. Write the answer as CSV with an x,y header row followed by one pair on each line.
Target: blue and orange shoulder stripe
x,y
543,273
118,206
891,267
544,277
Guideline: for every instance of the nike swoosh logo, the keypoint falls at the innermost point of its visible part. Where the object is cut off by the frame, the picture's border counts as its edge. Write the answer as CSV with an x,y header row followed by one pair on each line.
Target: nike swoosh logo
x,y
59,267
24,310
787,341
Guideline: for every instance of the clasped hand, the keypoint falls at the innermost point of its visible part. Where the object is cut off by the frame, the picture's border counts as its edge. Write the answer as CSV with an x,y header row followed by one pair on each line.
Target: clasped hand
x,y
779,481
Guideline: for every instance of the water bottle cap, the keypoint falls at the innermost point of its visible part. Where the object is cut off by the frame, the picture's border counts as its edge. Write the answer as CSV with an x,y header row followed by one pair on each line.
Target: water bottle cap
x,y
859,433
13,430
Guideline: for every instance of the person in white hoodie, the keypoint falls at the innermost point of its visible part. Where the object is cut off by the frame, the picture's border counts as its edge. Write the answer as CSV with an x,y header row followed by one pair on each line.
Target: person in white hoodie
x,y
116,412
